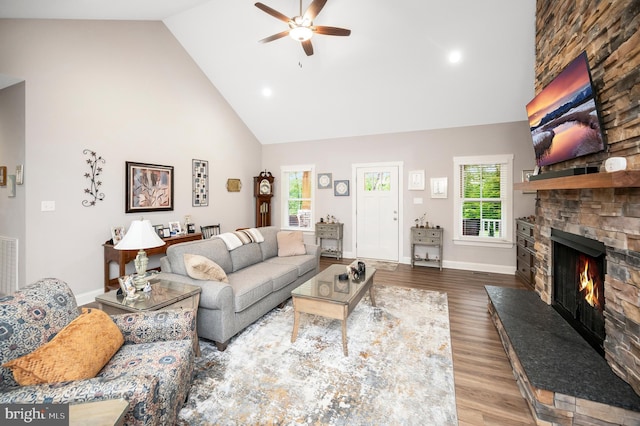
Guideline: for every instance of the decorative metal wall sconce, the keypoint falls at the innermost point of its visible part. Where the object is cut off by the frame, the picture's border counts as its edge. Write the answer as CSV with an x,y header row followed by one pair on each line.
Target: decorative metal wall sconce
x,y
95,170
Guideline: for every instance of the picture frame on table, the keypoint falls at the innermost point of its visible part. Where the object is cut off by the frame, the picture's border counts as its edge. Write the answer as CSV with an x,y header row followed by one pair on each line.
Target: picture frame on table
x,y
159,230
166,232
117,234
3,175
149,187
175,228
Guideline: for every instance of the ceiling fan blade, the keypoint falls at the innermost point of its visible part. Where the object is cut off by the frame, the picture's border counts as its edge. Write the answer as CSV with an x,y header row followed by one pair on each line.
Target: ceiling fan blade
x,y
274,37
314,8
273,12
334,31
308,47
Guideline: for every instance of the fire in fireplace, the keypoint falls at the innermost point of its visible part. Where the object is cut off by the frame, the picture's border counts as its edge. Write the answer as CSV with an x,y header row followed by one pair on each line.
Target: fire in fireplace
x,y
579,266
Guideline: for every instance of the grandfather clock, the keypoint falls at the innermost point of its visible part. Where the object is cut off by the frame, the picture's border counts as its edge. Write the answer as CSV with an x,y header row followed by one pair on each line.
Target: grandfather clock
x,y
263,191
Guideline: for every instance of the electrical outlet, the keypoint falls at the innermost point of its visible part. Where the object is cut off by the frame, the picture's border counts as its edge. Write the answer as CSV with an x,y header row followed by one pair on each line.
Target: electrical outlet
x,y
48,206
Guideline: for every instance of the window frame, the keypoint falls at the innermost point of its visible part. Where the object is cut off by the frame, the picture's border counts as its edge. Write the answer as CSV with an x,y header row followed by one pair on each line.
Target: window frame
x,y
506,198
284,204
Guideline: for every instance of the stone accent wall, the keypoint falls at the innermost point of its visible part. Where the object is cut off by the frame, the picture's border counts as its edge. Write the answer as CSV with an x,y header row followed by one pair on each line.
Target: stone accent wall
x,y
609,32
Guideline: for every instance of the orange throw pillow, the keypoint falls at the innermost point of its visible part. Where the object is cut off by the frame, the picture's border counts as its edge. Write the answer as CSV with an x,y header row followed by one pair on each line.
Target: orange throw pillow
x,y
78,351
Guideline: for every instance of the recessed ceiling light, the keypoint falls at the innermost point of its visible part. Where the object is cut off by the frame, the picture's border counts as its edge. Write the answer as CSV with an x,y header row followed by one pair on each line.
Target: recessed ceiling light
x,y
266,92
455,56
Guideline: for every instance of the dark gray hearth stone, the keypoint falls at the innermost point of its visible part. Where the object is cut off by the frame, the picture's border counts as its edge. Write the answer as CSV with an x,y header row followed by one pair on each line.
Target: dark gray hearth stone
x,y
554,356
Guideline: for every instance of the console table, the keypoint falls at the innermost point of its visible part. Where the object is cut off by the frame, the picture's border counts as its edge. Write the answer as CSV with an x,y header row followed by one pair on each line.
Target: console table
x,y
329,231
430,237
122,257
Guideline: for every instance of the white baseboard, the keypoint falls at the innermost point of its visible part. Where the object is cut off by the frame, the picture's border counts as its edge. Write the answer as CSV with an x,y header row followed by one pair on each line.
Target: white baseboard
x,y
89,297
468,266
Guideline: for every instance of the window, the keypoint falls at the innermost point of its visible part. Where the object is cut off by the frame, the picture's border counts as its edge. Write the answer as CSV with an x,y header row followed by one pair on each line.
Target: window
x,y
483,200
297,200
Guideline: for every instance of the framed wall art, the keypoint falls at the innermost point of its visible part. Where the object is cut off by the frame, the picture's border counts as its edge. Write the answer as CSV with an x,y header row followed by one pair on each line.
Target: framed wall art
x,y
3,175
200,173
324,180
234,185
416,180
149,187
341,188
439,187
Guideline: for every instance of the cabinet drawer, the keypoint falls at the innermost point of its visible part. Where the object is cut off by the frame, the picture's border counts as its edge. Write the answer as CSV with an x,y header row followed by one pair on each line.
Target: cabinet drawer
x,y
327,233
525,256
525,229
427,240
524,242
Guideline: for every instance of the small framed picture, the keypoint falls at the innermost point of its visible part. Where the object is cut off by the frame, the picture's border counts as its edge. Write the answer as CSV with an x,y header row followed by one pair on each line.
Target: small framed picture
x,y
166,232
117,234
3,175
324,180
174,228
416,180
341,188
439,187
159,230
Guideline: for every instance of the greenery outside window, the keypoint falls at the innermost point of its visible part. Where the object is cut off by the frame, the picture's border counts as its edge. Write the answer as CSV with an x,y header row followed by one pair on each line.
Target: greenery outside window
x,y
483,201
297,199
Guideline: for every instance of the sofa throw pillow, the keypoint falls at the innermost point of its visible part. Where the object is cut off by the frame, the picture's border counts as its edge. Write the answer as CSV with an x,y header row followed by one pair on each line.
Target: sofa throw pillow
x,y
202,268
290,243
77,352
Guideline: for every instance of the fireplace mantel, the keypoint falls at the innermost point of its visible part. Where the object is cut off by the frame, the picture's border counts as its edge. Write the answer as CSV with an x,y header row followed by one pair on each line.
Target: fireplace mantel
x,y
621,179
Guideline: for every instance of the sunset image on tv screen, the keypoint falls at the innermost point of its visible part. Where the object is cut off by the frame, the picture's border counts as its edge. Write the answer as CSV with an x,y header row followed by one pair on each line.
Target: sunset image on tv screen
x,y
563,117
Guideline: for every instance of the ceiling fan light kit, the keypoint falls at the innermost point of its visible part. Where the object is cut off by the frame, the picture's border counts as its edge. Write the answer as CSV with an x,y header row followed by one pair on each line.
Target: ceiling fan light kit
x,y
301,27
301,33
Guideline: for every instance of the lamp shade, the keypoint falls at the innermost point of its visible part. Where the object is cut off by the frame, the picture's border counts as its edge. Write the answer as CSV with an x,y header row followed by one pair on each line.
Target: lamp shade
x,y
140,236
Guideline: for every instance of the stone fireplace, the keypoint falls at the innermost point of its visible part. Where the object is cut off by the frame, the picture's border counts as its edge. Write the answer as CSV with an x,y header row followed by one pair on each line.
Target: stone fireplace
x,y
610,216
579,266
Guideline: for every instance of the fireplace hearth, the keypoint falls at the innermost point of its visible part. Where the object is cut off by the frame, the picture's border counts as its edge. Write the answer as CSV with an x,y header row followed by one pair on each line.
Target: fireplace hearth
x,y
579,266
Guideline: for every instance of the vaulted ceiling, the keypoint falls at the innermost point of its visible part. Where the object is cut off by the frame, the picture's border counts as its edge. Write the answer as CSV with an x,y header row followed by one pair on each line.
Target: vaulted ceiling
x,y
392,74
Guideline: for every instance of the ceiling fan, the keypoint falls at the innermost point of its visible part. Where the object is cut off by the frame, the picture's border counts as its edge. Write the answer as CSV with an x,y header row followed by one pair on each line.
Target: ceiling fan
x,y
301,27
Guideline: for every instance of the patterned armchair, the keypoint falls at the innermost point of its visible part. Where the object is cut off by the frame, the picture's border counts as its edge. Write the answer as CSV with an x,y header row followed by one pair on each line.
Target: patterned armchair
x,y
152,370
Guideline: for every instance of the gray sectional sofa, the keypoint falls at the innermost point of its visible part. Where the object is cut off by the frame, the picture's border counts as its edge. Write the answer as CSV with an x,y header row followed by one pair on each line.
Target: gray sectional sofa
x,y
259,280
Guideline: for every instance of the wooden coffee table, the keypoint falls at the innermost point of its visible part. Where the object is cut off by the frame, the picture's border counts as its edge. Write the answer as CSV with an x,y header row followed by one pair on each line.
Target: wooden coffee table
x,y
327,296
164,294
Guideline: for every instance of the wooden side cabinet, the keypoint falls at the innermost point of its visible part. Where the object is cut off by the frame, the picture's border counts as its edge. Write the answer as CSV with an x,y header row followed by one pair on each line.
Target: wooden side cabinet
x,y
329,231
430,237
526,252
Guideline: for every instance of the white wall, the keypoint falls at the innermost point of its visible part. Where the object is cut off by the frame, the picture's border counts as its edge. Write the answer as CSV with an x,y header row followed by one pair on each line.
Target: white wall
x,y
432,151
128,91
12,153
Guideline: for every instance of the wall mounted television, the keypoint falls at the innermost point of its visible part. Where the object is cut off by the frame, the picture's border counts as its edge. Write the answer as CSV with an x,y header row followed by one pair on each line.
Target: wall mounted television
x,y
564,118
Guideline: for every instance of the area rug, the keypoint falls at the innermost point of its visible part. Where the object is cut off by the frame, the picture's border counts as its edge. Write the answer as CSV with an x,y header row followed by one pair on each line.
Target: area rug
x,y
399,369
381,264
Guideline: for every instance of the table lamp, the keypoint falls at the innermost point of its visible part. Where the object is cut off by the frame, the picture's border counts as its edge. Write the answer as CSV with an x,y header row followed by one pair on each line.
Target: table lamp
x,y
140,236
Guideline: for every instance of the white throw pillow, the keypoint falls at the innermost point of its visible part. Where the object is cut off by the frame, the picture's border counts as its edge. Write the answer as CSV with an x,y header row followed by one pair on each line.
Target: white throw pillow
x,y
202,268
290,243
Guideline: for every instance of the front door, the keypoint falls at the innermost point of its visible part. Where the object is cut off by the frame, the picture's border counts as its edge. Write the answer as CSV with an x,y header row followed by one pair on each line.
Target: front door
x,y
377,212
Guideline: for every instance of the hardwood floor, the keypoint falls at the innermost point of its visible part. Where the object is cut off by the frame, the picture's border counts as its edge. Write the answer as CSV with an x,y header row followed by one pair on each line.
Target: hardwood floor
x,y
486,391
